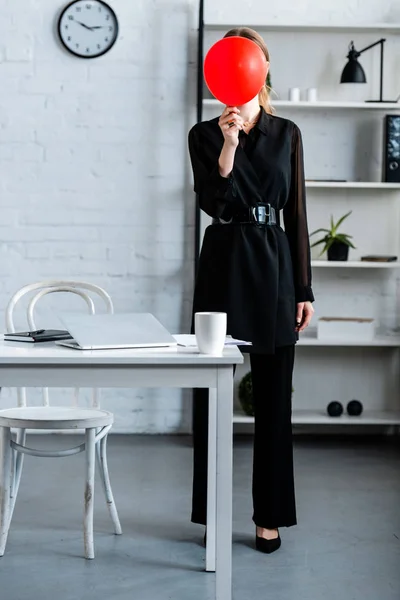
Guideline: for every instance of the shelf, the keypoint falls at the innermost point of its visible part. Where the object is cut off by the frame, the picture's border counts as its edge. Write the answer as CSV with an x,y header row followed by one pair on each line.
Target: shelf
x,y
333,27
354,264
212,102
309,338
356,185
330,104
315,417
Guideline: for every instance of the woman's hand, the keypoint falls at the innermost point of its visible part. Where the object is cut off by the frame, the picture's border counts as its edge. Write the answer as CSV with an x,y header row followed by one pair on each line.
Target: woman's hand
x,y
304,315
231,123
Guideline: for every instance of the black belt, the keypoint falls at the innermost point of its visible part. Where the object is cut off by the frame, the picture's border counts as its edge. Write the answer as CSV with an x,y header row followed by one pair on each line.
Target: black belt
x,y
263,214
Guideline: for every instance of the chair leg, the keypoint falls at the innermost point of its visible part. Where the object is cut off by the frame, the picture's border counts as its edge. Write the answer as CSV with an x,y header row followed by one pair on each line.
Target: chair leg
x,y
18,461
5,485
101,448
90,436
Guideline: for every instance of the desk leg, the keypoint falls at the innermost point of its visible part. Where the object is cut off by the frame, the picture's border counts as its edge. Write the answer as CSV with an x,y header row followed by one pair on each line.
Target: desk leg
x,y
224,483
211,479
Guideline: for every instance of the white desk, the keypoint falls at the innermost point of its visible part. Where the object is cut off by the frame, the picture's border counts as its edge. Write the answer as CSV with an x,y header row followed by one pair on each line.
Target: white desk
x,y
46,365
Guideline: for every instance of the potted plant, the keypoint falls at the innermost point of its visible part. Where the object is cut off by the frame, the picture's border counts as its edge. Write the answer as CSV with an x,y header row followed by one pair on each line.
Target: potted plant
x,y
246,394
335,244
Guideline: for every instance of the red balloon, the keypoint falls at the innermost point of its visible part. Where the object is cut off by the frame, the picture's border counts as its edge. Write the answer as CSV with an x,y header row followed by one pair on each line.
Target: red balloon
x,y
235,69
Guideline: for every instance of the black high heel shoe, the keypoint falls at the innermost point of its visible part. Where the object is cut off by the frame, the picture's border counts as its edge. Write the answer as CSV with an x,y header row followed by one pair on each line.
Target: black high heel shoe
x,y
268,546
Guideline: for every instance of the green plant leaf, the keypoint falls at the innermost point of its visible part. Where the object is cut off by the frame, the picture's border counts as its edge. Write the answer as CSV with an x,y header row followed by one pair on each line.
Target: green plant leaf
x,y
344,239
319,230
327,245
323,241
338,224
330,243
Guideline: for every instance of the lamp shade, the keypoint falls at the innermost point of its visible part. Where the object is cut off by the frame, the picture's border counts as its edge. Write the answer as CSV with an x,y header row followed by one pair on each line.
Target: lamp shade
x,y
353,73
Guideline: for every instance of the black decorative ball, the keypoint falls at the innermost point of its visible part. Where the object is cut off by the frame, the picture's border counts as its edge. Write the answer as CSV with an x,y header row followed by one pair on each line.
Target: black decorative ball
x,y
354,408
335,409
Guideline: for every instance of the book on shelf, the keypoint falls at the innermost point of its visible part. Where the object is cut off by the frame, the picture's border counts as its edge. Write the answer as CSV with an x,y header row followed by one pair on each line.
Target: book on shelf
x,y
39,335
325,180
379,258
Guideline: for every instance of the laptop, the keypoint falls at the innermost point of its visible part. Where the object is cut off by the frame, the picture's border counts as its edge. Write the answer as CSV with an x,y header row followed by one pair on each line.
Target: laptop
x,y
122,330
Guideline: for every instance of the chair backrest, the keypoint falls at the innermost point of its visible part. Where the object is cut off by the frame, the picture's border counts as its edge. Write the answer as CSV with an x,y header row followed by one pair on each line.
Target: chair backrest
x,y
40,289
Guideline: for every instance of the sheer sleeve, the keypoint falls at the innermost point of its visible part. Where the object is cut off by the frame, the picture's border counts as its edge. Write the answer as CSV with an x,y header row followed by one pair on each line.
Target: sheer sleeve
x,y
216,193
295,218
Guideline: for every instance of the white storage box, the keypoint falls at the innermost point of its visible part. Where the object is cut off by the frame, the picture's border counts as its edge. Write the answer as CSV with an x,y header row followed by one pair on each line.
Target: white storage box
x,y
342,328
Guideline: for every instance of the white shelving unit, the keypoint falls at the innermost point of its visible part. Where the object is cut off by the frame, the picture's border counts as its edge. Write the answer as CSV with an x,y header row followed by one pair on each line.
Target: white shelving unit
x,y
314,417
310,348
353,185
354,264
309,338
335,105
304,105
310,27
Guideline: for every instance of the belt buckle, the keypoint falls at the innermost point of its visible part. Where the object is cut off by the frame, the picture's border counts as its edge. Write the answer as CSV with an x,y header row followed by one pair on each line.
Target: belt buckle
x,y
261,213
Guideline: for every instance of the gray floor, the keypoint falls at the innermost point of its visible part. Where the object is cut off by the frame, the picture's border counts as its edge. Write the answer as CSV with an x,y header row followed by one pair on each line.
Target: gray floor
x,y
346,544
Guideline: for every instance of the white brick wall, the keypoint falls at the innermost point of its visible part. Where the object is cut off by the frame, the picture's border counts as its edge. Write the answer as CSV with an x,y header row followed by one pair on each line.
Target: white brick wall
x,y
93,170
94,177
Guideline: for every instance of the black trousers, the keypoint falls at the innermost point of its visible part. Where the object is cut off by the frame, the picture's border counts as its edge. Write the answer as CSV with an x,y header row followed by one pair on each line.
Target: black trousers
x,y
273,479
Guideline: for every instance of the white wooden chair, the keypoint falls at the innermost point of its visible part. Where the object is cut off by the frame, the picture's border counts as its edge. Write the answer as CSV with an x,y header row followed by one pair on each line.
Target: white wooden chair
x,y
96,423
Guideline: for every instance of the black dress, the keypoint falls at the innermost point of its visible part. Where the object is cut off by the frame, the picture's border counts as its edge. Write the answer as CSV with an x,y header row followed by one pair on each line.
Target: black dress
x,y
254,273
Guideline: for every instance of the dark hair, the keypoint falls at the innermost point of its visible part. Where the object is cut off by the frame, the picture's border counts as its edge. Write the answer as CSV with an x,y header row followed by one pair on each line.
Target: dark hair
x,y
250,34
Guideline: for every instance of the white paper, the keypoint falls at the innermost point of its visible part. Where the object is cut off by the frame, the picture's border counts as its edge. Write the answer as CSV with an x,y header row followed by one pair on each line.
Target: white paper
x,y
188,340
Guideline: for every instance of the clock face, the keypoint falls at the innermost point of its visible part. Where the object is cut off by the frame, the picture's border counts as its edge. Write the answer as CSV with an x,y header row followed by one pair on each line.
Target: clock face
x,y
88,28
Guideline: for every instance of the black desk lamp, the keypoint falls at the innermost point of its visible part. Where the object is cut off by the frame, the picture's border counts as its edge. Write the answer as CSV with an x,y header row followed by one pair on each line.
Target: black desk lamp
x,y
354,73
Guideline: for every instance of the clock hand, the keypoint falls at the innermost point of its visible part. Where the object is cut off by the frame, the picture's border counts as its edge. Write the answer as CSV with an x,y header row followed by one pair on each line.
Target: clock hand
x,y
99,26
84,25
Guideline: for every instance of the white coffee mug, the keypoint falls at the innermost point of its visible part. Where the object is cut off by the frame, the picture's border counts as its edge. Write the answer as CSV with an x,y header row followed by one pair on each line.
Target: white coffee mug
x,y
294,94
210,331
312,94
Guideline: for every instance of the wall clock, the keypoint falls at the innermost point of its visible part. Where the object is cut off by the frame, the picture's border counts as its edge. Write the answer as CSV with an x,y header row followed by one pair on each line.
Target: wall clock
x,y
88,28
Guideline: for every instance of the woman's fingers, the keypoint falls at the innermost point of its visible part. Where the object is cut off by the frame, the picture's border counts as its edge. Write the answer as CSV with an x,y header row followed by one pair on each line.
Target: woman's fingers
x,y
230,110
231,120
305,323
299,314
231,123
230,127
307,313
229,115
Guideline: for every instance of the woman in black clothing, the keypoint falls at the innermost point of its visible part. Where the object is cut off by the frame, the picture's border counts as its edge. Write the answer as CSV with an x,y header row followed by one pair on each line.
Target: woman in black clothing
x,y
248,166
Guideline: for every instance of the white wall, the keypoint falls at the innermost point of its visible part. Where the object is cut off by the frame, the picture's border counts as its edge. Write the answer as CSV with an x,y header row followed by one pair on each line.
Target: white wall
x,y
94,170
94,174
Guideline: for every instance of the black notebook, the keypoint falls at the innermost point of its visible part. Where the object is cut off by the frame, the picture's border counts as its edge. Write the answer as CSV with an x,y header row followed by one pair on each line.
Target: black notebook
x,y
40,335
